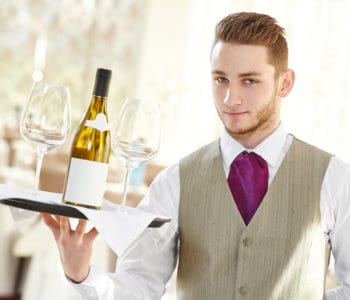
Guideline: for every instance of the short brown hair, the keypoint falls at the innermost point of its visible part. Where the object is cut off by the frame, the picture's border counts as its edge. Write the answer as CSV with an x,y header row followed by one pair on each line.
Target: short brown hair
x,y
256,29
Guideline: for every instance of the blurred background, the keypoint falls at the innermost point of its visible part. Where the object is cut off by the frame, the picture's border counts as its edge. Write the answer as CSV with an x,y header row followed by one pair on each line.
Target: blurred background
x,y
157,49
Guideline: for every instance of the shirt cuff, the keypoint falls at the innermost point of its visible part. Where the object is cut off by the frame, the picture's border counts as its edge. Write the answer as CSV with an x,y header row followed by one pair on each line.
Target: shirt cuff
x,y
340,293
94,284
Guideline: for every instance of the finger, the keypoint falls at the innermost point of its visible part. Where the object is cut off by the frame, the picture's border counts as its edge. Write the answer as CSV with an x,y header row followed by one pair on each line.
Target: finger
x,y
49,220
52,223
64,224
57,218
92,234
80,229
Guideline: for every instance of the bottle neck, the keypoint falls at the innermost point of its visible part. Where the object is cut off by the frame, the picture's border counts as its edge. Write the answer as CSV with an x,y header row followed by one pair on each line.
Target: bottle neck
x,y
98,104
102,81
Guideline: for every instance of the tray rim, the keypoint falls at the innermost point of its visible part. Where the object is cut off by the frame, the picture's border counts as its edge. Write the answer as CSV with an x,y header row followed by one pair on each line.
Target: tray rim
x,y
51,208
59,209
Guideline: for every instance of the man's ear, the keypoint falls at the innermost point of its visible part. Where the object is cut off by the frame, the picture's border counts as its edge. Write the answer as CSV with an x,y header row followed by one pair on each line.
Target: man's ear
x,y
286,82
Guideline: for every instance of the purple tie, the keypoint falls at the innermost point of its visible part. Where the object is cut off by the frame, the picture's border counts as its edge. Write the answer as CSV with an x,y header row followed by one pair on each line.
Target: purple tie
x,y
248,180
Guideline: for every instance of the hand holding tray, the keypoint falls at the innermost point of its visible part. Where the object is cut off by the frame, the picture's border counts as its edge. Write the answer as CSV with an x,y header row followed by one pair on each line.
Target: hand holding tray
x,y
119,229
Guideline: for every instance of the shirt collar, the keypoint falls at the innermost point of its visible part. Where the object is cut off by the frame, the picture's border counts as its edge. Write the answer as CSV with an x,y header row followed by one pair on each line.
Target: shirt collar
x,y
270,148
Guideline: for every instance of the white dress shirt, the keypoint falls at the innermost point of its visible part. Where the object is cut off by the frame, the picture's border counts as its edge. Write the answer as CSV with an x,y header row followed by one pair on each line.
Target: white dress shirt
x,y
143,272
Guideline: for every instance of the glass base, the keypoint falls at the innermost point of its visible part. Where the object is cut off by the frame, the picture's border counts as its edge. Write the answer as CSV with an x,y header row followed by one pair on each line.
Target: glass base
x,y
81,205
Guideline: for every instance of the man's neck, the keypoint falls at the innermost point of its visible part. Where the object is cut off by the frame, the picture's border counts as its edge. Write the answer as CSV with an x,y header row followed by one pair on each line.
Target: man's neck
x,y
251,140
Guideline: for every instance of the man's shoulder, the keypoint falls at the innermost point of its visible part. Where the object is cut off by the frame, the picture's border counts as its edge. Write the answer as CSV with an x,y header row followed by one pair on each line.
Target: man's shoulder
x,y
210,149
337,165
310,146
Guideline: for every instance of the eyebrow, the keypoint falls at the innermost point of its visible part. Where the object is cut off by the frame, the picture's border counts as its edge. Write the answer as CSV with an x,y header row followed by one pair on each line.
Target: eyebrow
x,y
218,72
250,74
247,74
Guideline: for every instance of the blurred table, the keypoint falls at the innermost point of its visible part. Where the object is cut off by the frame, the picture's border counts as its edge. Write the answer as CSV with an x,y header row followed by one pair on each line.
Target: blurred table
x,y
10,135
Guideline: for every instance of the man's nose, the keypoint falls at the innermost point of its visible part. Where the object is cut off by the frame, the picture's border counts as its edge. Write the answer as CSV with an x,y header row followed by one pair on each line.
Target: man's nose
x,y
232,97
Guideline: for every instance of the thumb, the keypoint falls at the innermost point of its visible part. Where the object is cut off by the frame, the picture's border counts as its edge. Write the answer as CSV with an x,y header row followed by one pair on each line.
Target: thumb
x,y
91,235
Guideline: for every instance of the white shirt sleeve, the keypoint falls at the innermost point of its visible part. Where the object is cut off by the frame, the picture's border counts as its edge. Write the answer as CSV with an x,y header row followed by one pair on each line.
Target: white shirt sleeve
x,y
143,272
335,212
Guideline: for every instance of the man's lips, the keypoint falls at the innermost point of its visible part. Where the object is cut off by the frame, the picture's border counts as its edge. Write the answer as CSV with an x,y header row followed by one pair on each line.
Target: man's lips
x,y
235,113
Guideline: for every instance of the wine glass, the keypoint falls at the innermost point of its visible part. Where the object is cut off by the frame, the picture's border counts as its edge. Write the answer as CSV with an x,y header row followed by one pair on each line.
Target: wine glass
x,y
136,135
45,121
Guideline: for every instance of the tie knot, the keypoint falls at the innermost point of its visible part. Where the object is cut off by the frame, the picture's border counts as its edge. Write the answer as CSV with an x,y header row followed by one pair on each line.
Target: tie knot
x,y
249,158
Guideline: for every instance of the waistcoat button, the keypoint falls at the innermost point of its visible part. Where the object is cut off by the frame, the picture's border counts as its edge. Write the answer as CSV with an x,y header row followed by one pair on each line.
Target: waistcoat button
x,y
242,290
247,241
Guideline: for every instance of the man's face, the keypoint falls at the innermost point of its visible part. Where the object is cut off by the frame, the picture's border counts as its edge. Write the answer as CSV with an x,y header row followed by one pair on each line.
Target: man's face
x,y
245,91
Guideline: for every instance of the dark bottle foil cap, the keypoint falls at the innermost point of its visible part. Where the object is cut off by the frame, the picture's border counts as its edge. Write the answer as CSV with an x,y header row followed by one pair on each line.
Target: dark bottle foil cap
x,y
103,78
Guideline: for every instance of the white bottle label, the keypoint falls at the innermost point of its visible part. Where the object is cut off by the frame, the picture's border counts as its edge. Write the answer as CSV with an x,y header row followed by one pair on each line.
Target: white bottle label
x,y
100,123
86,182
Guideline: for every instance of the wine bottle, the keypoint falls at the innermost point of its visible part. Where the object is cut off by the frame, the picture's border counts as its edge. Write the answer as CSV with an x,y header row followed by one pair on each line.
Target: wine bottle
x,y
90,150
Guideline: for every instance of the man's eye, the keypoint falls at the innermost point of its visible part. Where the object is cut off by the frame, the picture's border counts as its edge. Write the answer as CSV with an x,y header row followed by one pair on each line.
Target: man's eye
x,y
221,79
249,81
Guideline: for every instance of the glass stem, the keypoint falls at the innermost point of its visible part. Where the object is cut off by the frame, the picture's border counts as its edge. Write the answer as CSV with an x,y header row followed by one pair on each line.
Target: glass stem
x,y
39,162
126,184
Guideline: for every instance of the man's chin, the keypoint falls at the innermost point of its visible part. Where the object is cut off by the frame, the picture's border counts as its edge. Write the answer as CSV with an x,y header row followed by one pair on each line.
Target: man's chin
x,y
240,131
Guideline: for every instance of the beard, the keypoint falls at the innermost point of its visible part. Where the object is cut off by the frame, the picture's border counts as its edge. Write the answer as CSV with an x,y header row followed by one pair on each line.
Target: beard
x,y
265,118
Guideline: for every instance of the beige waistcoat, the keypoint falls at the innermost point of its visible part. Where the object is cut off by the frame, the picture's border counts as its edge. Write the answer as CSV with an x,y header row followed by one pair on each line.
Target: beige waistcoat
x,y
281,254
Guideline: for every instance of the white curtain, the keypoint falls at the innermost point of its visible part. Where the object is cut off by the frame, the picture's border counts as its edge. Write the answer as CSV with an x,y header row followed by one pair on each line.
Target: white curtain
x,y
318,108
